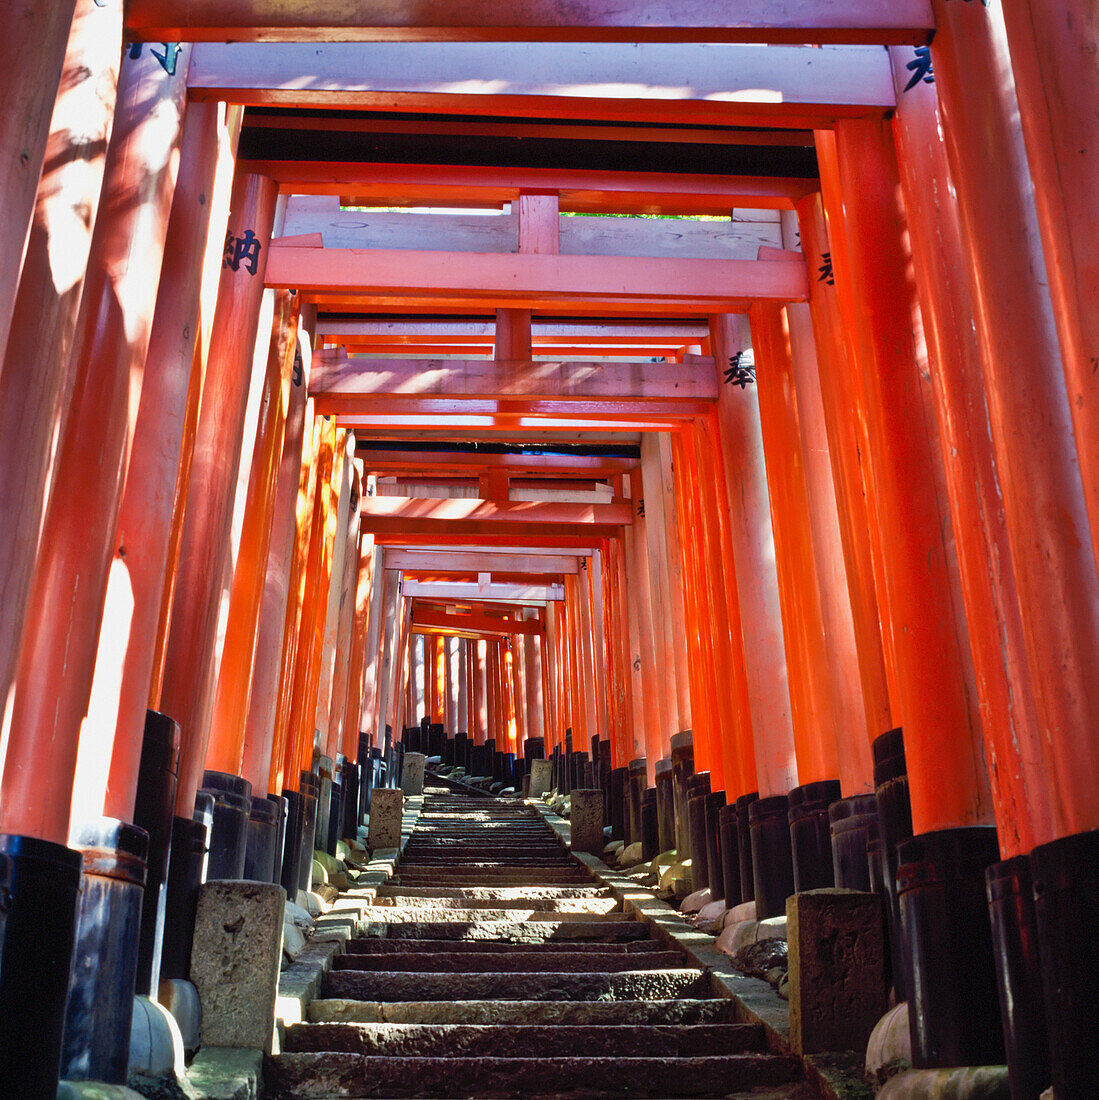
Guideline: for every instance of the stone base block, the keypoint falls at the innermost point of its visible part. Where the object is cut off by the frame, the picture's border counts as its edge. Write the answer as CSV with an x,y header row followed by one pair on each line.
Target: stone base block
x,y
541,776
838,990
587,821
224,1074
95,1090
386,812
964,1083
235,962
412,774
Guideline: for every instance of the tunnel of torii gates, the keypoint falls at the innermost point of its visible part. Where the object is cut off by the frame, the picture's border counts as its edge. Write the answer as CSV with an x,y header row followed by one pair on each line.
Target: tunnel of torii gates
x,y
327,404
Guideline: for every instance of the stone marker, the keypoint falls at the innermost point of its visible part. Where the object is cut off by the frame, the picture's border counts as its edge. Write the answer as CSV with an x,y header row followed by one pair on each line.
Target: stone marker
x,y
838,990
235,962
587,821
386,807
412,773
541,777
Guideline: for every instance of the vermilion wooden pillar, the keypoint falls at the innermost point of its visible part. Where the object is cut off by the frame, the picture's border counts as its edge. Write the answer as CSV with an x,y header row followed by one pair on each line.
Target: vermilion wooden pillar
x,y
124,663
1031,412
65,607
333,591
225,751
713,619
35,376
841,401
260,742
667,585
1053,52
1018,774
32,52
734,725
753,562
941,727
799,589
189,672
344,644
651,698
480,703
352,724
303,532
532,684
462,717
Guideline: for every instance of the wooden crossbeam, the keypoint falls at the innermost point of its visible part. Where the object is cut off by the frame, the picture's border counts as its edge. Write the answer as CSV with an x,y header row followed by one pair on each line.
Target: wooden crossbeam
x,y
896,22
534,281
429,619
343,385
410,462
462,561
699,83
626,236
335,327
581,190
526,595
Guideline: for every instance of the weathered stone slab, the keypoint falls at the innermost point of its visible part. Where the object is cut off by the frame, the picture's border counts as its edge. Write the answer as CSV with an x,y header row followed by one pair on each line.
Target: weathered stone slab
x,y
514,1041
963,1083
541,777
655,985
566,1013
329,1074
526,962
838,990
235,962
412,773
218,1073
386,806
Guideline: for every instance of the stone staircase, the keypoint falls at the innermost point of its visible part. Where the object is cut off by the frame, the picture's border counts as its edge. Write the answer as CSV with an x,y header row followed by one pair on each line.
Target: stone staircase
x,y
494,966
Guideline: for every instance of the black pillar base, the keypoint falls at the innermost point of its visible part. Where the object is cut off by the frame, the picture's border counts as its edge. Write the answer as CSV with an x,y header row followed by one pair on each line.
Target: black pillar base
x,y
310,795
229,836
772,857
650,848
852,823
809,836
40,883
953,1008
262,838
1010,889
1066,899
698,787
153,810
291,845
618,783
715,871
96,1044
744,840
730,854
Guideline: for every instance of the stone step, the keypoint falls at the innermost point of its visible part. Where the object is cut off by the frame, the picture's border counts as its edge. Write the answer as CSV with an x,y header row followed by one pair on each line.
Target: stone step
x,y
542,876
630,985
543,1013
425,947
558,905
511,930
326,1075
488,893
519,1040
522,961
402,914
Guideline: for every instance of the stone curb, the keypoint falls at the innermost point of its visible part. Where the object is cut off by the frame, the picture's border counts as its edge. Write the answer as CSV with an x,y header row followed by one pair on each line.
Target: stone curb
x,y
834,1076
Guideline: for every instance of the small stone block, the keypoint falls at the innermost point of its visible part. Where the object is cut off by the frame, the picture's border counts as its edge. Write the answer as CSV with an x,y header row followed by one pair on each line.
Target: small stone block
x,y
587,821
386,806
225,1074
838,990
412,773
541,777
235,962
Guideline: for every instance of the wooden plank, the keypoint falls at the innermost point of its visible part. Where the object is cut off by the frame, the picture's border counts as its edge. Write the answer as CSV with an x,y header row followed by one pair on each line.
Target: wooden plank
x,y
343,383
898,22
453,561
334,326
633,81
495,511
471,625
579,236
528,595
585,190
533,280
412,461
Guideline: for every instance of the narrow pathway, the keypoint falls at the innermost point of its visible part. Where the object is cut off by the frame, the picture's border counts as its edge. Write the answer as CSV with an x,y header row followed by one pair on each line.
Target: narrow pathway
x,y
495,967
